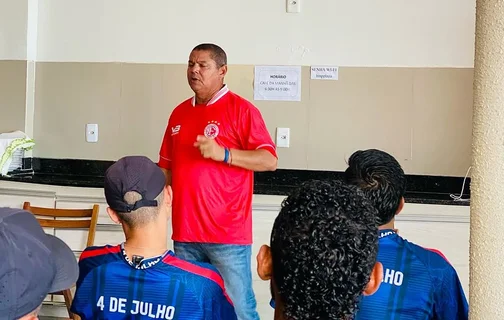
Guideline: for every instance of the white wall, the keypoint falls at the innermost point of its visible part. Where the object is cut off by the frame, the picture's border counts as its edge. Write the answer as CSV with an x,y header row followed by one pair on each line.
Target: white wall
x,y
13,29
416,33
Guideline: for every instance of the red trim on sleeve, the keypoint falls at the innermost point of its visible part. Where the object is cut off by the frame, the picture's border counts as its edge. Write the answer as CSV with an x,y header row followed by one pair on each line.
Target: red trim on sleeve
x,y
165,152
438,252
164,163
99,252
270,148
200,271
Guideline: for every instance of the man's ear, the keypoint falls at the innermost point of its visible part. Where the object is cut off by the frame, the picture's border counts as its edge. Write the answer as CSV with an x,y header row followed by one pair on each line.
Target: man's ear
x,y
401,206
264,263
168,195
223,71
374,280
113,215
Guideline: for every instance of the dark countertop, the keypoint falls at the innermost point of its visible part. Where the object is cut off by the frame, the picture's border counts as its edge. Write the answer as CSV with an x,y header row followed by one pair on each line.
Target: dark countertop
x,y
421,189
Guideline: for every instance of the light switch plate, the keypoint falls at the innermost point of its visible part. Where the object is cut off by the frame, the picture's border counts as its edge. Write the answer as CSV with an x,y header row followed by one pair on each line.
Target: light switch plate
x,y
293,6
92,132
283,137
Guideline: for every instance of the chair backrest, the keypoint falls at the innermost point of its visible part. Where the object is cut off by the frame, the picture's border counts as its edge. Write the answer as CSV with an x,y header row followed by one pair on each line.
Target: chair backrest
x,y
81,218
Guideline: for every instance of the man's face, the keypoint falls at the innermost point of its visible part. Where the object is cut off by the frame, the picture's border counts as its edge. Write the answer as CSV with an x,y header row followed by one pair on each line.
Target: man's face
x,y
203,74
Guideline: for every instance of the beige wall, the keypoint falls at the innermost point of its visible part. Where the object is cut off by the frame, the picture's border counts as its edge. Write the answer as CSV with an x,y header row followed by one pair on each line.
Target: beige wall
x,y
408,90
421,115
365,33
13,29
12,95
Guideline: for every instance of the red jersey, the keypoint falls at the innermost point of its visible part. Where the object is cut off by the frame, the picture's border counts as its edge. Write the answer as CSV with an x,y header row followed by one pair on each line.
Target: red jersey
x,y
212,201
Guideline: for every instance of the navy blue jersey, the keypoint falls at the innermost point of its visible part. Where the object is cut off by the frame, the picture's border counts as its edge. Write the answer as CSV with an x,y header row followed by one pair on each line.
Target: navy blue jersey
x,y
418,284
165,287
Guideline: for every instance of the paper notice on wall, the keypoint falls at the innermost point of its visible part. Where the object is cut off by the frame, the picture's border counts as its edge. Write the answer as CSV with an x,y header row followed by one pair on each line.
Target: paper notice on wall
x,y
280,83
324,73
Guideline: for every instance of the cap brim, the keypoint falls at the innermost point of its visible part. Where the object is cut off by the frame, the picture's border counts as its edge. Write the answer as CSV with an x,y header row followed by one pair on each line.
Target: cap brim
x,y
67,269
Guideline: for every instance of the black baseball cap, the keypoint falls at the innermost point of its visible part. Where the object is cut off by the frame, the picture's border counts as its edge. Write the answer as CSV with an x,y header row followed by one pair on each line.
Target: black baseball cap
x,y
133,173
33,264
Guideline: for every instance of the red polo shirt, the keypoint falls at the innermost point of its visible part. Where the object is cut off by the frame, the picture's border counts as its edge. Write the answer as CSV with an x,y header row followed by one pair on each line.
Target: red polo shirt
x,y
212,201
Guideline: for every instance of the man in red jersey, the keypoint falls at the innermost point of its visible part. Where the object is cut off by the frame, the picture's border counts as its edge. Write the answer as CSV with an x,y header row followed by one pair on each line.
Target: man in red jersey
x,y
213,143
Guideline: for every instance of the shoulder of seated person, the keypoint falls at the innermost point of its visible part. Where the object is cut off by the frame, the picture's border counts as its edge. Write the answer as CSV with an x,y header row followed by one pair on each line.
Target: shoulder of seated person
x,y
201,268
206,265
96,251
430,256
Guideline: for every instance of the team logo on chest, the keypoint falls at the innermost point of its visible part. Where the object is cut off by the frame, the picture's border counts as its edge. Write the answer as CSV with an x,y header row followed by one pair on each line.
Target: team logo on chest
x,y
212,129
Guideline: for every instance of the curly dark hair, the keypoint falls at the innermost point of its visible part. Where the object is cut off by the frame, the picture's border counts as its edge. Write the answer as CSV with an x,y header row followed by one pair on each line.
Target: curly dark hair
x,y
324,245
382,179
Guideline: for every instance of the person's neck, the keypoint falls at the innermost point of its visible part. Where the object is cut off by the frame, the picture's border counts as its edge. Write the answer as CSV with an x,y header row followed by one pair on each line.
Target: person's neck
x,y
148,241
279,311
389,225
204,98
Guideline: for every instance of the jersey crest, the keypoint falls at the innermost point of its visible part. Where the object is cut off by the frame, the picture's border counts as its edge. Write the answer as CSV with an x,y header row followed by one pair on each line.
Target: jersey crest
x,y
212,129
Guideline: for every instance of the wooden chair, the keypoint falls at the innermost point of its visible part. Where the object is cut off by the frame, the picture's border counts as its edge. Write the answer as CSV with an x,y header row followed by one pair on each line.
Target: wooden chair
x,y
79,219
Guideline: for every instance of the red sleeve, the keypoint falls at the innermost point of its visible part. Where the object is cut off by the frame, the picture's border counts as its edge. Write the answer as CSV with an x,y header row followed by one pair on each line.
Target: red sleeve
x,y
165,153
254,133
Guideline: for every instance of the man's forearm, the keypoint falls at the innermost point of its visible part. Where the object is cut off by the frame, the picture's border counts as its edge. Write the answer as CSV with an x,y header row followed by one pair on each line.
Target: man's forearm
x,y
167,174
255,160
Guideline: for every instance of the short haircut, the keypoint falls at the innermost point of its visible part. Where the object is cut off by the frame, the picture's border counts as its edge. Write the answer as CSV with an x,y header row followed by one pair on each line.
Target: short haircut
x,y
141,216
216,53
324,246
382,179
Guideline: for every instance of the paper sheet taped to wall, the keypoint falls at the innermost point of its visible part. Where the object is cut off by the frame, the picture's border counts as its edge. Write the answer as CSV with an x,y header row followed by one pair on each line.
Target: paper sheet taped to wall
x,y
324,73
280,83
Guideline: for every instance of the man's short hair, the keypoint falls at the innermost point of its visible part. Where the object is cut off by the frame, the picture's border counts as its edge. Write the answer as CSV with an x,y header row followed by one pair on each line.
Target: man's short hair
x,y
134,188
141,216
324,246
381,178
216,53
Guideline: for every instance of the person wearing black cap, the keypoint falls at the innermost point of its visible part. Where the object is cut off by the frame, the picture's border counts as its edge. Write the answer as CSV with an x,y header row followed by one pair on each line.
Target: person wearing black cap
x,y
33,265
141,277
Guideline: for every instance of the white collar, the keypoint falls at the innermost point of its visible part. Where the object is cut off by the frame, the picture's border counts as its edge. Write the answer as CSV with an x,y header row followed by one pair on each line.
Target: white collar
x,y
215,98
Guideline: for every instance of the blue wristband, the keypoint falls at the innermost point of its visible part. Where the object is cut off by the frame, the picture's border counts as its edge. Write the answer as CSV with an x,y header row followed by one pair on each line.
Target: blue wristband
x,y
226,155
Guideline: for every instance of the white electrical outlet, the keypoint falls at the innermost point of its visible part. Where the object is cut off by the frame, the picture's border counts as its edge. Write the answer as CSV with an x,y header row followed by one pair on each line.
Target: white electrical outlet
x,y
283,137
92,132
293,6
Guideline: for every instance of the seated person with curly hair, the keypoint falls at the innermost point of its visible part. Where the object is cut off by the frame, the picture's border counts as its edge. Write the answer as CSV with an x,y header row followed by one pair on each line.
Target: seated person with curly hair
x,y
323,252
418,283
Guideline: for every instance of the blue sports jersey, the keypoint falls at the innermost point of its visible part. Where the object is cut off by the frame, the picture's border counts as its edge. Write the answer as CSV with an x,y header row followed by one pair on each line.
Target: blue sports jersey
x,y
417,284
165,287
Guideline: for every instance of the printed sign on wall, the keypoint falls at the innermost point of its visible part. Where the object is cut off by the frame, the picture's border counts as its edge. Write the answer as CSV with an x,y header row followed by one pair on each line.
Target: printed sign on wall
x,y
324,73
280,83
